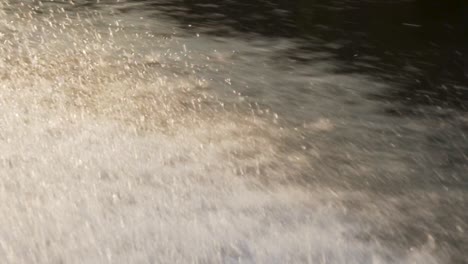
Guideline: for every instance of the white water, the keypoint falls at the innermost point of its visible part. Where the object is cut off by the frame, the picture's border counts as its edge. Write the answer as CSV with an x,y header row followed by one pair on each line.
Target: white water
x,y
120,142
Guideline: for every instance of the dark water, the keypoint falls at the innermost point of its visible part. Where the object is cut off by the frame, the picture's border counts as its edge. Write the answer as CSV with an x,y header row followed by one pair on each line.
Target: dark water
x,y
421,45
235,131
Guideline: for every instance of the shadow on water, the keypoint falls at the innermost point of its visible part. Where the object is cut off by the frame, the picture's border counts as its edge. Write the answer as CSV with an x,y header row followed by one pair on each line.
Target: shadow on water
x,y
420,45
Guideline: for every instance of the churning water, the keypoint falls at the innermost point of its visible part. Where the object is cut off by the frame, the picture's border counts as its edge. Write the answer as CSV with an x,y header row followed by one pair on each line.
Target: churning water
x,y
126,138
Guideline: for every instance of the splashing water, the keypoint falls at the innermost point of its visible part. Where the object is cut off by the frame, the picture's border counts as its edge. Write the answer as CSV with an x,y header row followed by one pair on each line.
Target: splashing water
x,y
123,142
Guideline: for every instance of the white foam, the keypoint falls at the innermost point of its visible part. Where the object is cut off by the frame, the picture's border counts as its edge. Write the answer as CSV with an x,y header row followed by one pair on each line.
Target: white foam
x,y
113,150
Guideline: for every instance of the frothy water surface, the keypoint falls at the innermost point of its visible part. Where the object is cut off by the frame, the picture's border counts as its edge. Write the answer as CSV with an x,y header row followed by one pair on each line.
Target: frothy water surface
x,y
125,138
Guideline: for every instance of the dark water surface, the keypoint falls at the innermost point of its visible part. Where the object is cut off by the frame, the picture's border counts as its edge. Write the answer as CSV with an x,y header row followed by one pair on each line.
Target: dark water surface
x,y
248,131
420,45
